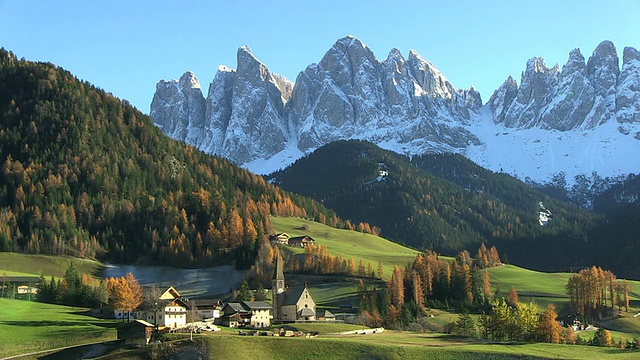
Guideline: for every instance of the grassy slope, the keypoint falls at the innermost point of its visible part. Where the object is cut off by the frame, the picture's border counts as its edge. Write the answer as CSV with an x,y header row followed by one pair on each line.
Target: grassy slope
x,y
532,286
395,345
30,326
369,248
24,264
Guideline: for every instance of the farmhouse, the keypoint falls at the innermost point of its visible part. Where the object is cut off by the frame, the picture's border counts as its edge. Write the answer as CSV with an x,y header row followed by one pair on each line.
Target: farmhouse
x,y
246,313
301,241
296,241
206,308
168,310
279,238
290,304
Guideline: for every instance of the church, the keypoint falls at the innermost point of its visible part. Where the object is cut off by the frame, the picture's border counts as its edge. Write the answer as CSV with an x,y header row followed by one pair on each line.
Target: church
x,y
290,303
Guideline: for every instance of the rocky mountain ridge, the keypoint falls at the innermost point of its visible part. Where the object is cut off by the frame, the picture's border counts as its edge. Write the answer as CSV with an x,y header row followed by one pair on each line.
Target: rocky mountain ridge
x,y
264,122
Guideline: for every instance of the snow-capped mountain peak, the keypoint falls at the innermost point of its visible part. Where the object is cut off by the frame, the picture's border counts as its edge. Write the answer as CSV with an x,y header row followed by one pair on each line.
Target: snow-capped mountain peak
x,y
583,118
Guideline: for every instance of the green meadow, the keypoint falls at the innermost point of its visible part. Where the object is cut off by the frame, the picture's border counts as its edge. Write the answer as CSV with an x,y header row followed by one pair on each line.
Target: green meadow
x,y
369,248
15,264
27,326
388,345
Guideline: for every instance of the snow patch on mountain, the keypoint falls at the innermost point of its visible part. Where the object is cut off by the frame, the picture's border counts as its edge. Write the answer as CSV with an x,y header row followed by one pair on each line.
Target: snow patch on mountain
x,y
538,154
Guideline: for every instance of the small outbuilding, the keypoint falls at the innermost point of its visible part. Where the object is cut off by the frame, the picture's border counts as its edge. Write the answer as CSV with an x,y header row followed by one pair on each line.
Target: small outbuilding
x,y
137,332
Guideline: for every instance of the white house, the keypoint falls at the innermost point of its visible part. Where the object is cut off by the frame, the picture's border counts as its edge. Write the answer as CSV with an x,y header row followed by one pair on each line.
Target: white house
x,y
169,310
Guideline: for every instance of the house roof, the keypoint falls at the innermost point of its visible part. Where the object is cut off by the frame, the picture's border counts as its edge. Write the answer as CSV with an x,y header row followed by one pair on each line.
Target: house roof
x,y
292,295
301,238
205,303
256,305
142,322
235,306
170,294
178,302
325,313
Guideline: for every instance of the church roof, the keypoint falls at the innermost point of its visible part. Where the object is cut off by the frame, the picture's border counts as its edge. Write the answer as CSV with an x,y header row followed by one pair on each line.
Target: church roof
x,y
292,295
306,312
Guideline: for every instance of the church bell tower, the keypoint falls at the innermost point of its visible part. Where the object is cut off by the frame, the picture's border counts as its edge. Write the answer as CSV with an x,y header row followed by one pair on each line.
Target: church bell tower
x,y
277,289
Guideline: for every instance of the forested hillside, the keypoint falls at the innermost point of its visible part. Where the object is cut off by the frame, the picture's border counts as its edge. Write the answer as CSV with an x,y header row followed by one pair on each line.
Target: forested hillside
x,y
85,174
415,207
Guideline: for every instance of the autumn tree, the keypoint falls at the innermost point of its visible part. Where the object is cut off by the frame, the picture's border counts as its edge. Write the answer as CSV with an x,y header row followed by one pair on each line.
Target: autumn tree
x,y
486,287
125,294
569,336
512,297
396,288
549,330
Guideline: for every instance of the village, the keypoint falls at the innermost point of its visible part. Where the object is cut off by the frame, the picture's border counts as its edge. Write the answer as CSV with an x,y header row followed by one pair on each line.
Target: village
x,y
169,312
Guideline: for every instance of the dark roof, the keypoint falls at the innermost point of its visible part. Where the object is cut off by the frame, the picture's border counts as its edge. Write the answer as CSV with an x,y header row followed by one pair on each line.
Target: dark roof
x,y
292,295
179,302
235,306
300,238
256,305
325,313
205,303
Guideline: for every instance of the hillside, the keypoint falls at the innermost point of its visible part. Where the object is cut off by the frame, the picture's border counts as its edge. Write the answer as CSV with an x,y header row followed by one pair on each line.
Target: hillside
x,y
347,243
86,174
415,207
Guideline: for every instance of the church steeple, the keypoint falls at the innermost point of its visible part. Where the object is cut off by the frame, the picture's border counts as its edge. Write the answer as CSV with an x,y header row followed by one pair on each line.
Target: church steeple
x,y
277,289
278,276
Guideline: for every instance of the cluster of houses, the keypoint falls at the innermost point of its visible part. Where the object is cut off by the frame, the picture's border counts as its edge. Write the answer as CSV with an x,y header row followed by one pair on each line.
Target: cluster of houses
x,y
296,241
169,311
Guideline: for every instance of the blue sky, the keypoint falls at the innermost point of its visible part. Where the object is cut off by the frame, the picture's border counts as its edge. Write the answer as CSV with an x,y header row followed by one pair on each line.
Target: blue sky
x,y
125,47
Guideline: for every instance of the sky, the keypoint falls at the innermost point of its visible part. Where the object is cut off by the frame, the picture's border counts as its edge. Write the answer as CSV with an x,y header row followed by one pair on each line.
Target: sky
x,y
126,47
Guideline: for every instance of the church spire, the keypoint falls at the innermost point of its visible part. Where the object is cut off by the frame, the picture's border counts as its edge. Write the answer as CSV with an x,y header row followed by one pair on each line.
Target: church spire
x,y
278,273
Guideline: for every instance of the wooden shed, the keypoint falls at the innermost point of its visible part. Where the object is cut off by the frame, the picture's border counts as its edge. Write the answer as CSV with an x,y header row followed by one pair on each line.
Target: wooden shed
x,y
137,332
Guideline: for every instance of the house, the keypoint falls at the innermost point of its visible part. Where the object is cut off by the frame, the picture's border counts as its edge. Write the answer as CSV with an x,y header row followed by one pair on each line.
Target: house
x,y
325,315
279,238
169,310
137,332
206,308
260,313
256,314
301,241
290,304
235,315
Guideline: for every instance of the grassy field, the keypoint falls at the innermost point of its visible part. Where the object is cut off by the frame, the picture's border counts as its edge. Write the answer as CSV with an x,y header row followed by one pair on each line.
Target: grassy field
x,y
30,326
369,248
321,328
23,264
388,345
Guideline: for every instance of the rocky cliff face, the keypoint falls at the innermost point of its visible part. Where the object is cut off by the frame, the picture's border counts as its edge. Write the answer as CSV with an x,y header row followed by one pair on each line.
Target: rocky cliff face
x,y
406,105
251,113
581,96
